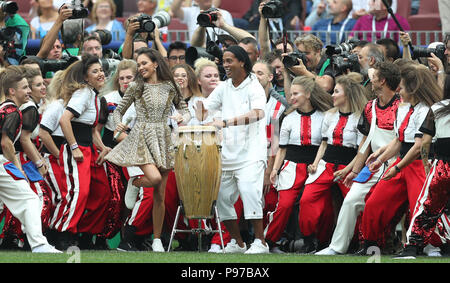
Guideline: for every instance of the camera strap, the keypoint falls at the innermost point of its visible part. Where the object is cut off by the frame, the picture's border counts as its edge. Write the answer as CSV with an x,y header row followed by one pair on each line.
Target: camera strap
x,y
270,26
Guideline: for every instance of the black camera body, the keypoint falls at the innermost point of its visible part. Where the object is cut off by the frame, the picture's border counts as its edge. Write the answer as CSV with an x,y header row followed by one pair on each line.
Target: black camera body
x,y
9,7
273,9
145,23
290,60
346,61
426,52
206,18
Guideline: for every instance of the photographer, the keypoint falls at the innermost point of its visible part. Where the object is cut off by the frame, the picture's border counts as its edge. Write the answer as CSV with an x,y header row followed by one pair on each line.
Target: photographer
x,y
14,30
316,65
133,28
199,35
188,15
50,47
369,55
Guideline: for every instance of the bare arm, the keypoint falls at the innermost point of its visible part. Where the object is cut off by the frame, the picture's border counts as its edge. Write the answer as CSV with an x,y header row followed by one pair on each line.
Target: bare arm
x,y
177,9
31,151
9,151
48,142
66,128
49,39
263,33
425,151
320,152
127,49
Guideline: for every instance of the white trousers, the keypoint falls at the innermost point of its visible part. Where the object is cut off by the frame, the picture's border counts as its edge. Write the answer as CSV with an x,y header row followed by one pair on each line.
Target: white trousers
x,y
247,183
352,206
23,204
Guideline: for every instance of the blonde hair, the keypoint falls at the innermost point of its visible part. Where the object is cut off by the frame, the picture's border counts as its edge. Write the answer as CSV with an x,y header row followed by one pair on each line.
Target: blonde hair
x,y
113,83
355,93
311,42
201,63
53,90
319,98
113,6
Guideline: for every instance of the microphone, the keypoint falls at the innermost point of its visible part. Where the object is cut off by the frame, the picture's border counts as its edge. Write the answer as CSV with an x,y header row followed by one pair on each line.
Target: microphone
x,y
127,122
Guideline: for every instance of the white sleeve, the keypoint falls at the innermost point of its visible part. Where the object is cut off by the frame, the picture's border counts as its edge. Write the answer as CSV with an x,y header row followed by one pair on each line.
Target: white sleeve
x,y
79,102
214,100
50,117
257,96
285,131
325,125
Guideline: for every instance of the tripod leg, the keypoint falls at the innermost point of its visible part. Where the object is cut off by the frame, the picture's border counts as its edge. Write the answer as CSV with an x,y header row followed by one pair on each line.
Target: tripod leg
x,y
199,235
220,228
174,227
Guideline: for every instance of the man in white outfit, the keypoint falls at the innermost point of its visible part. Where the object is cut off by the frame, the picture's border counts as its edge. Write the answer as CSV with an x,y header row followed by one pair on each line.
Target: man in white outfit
x,y
15,191
242,101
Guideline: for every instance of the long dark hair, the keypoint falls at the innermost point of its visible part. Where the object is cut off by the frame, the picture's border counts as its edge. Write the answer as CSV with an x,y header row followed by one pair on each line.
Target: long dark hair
x,y
446,109
162,72
74,75
419,82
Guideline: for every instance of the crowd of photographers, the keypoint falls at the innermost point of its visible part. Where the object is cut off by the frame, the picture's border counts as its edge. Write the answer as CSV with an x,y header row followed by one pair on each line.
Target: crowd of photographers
x,y
211,31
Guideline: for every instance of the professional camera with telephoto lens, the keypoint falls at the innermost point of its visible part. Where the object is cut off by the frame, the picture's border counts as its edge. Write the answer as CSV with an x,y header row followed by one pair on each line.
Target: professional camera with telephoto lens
x,y
104,35
426,52
342,48
52,65
346,61
9,7
78,10
7,34
290,60
206,18
148,23
272,9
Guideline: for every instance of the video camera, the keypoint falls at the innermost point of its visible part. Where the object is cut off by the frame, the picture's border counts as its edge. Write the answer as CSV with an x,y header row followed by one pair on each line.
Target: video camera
x,y
273,9
9,7
291,59
341,57
148,23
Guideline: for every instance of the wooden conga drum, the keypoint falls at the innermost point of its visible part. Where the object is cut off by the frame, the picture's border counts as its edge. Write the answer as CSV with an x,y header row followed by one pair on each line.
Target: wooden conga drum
x,y
198,170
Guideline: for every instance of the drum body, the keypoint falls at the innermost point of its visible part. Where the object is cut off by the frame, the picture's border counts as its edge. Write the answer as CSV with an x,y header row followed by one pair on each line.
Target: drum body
x,y
198,170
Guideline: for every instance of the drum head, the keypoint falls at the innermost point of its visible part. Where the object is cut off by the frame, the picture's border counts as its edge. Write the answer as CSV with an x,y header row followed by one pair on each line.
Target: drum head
x,y
190,129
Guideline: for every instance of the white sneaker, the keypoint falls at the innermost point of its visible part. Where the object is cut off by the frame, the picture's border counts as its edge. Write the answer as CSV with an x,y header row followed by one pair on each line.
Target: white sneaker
x,y
131,193
233,247
157,246
46,248
432,251
257,247
327,251
215,248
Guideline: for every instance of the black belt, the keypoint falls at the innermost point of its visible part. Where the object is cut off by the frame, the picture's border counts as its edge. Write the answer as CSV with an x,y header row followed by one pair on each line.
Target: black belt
x,y
82,133
339,154
301,154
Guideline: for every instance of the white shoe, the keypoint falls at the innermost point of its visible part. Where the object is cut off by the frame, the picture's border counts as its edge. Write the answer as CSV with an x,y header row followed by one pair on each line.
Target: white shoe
x,y
46,248
327,251
276,250
233,247
215,248
131,193
257,247
432,251
157,246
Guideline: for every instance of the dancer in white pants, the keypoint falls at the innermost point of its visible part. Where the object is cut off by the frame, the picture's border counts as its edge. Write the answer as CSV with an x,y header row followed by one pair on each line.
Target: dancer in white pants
x,y
377,125
15,191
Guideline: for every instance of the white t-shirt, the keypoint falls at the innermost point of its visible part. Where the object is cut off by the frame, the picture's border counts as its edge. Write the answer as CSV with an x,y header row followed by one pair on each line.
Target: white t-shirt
x,y
243,144
190,19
